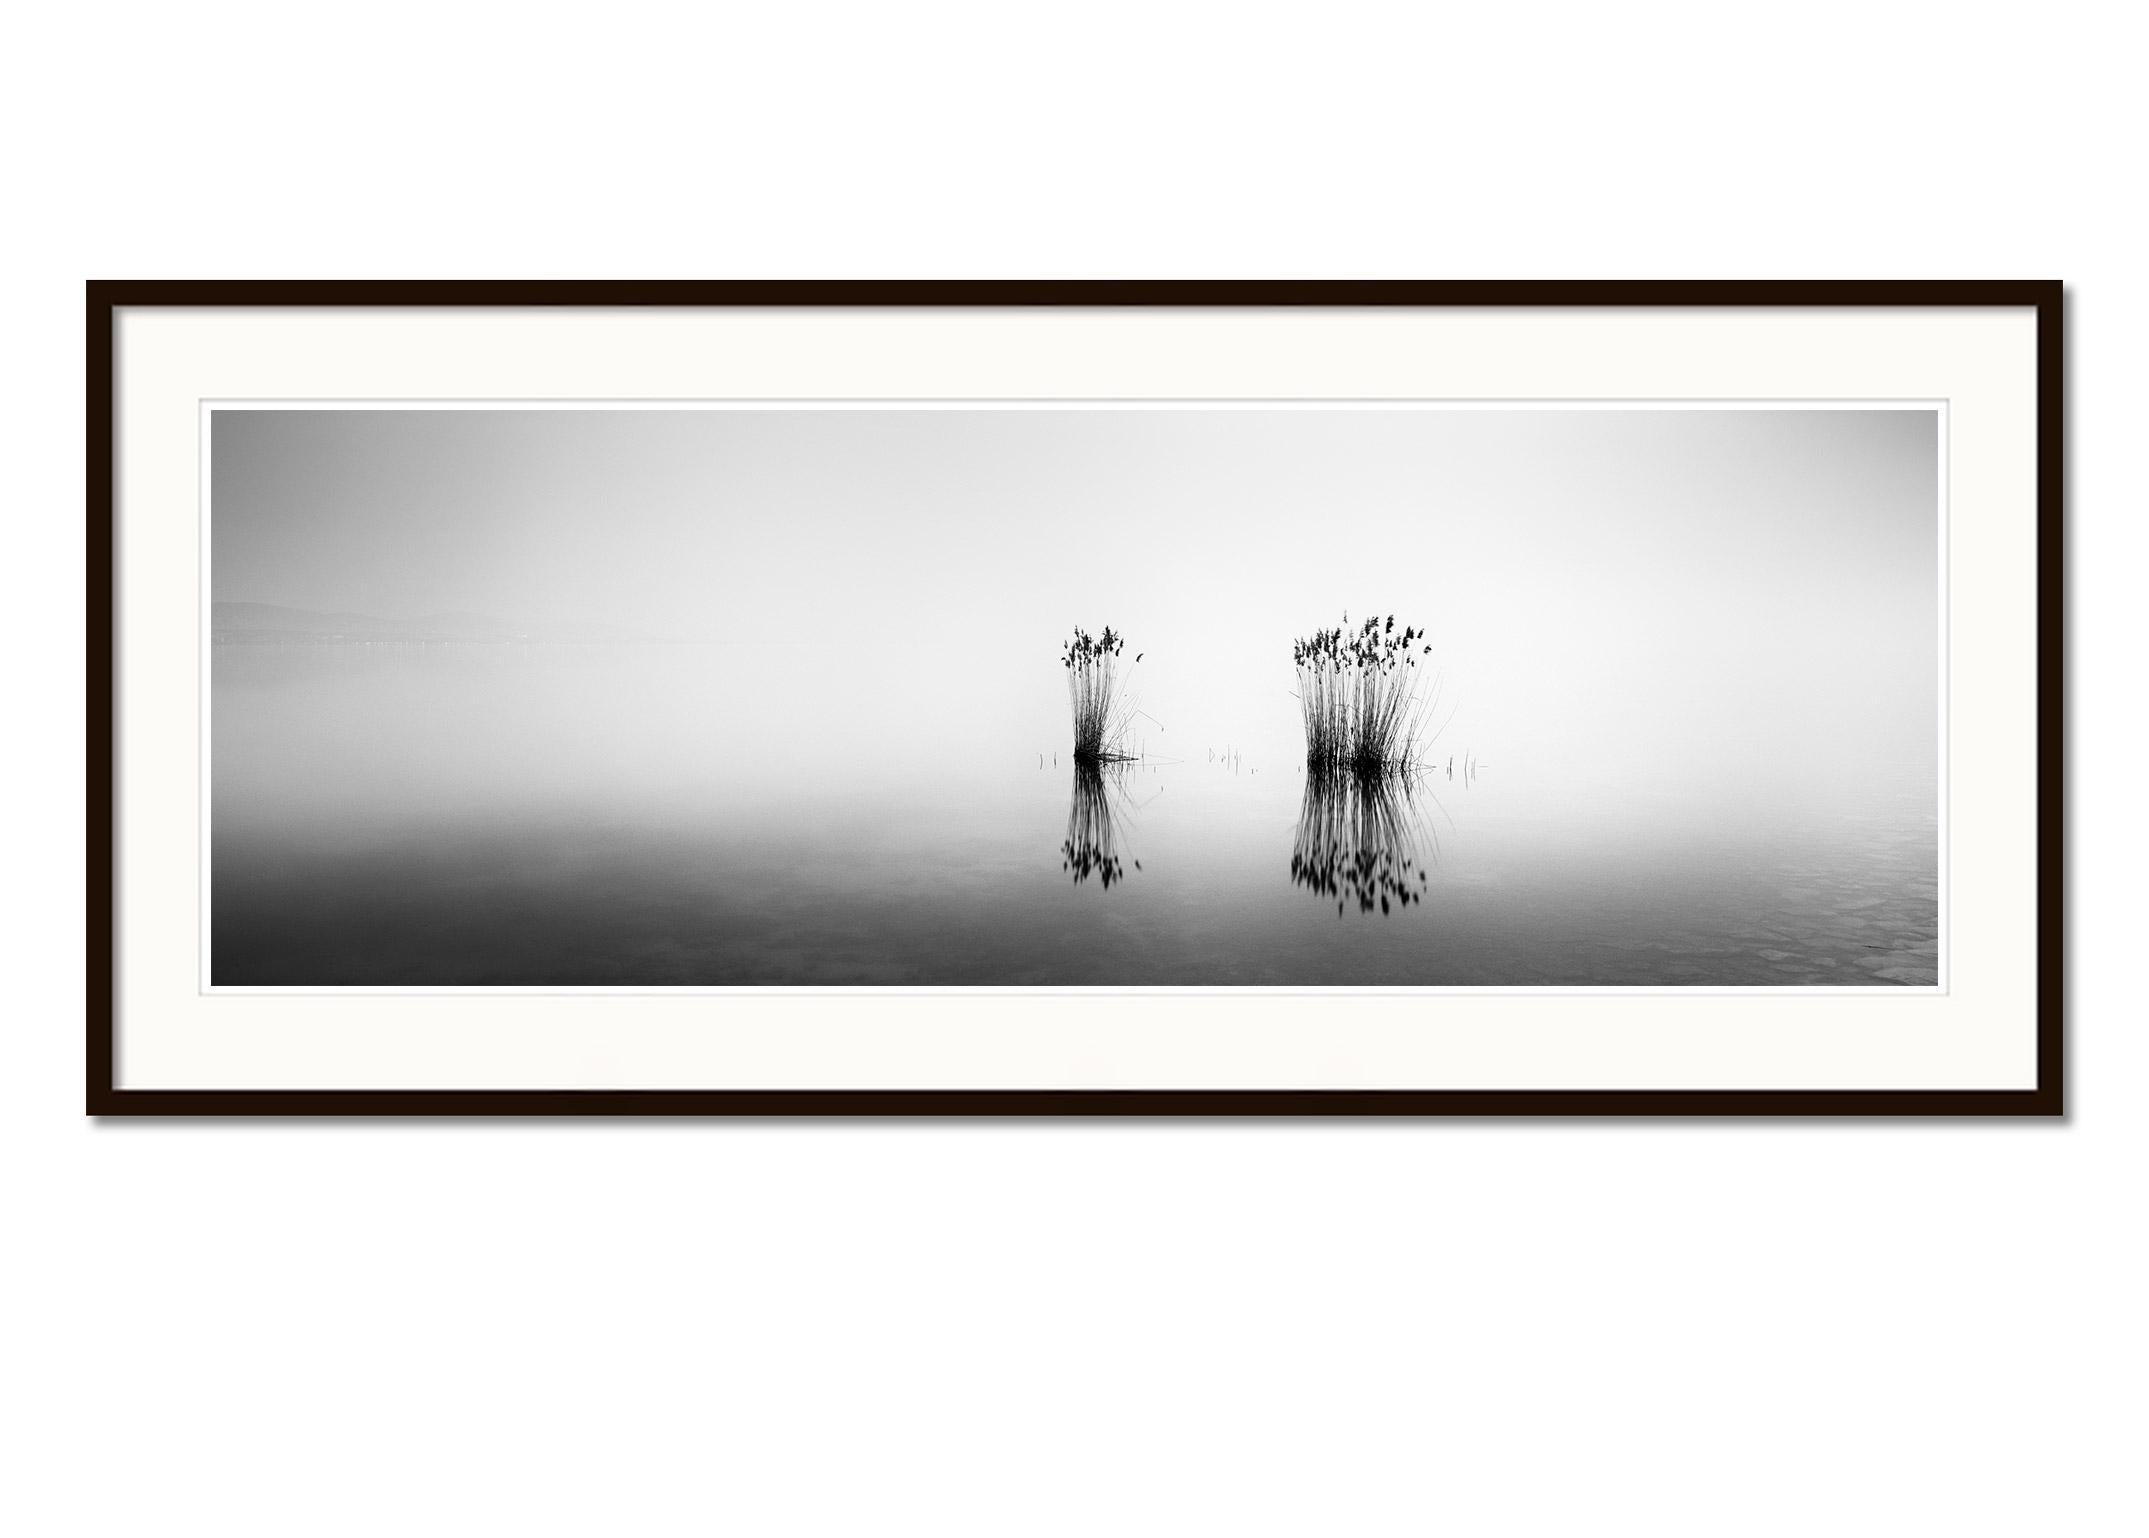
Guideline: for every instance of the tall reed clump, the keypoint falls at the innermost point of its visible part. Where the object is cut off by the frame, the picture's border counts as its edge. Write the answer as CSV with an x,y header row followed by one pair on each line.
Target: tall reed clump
x,y
1101,713
1363,695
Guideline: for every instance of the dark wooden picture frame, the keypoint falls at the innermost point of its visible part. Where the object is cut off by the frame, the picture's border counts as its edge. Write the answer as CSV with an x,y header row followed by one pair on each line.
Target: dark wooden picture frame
x,y
107,1097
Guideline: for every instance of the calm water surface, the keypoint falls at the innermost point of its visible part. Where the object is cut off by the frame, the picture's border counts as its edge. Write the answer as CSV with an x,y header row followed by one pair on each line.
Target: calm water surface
x,y
639,816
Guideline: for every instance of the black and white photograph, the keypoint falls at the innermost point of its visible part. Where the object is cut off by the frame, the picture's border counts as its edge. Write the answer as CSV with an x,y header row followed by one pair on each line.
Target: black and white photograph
x,y
1170,771
1075,694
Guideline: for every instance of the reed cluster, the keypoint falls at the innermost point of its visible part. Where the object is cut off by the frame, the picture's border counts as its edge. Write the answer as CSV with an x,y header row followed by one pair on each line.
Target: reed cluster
x,y
1101,714
1362,695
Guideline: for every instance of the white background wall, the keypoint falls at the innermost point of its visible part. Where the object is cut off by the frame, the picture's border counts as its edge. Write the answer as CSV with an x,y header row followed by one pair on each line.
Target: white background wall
x,y
1077,1329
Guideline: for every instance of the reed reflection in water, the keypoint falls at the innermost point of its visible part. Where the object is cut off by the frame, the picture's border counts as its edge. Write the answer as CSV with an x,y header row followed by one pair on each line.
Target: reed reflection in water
x,y
1363,839
1099,811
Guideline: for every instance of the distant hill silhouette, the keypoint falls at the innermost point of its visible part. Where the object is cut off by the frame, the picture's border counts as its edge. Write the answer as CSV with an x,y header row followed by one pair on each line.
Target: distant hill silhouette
x,y
243,622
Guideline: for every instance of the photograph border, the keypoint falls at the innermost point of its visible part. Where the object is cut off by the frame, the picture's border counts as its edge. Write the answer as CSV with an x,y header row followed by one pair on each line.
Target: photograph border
x,y
105,299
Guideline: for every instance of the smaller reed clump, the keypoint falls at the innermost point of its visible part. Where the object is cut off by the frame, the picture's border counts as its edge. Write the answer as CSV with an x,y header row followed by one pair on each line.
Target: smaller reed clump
x,y
1363,695
1101,713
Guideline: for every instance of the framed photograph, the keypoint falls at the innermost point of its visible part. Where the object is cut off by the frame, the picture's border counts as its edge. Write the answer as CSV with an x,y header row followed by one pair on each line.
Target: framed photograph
x,y
1075,698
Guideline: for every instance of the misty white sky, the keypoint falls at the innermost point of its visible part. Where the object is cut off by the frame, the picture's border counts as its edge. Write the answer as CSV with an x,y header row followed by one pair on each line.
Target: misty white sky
x,y
1727,581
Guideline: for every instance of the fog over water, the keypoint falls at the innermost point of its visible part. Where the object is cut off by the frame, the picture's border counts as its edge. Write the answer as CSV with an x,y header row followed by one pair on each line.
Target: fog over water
x,y
774,696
